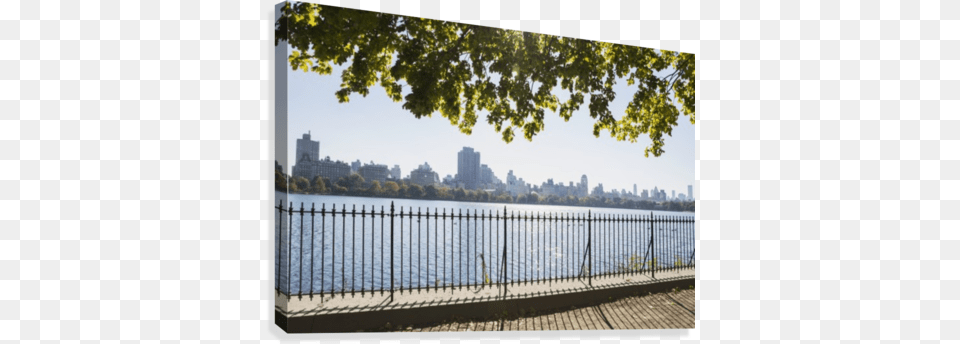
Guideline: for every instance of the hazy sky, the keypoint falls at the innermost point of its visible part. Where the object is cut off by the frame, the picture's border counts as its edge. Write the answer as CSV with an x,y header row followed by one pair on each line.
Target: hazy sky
x,y
376,129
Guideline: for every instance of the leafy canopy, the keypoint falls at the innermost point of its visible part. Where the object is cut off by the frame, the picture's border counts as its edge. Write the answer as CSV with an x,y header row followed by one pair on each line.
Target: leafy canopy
x,y
459,69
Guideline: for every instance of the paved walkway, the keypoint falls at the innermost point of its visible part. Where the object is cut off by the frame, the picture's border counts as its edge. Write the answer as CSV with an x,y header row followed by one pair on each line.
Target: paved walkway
x,y
670,310
365,302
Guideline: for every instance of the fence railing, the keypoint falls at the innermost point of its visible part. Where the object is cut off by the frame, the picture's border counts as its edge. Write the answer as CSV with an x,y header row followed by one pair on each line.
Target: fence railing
x,y
404,250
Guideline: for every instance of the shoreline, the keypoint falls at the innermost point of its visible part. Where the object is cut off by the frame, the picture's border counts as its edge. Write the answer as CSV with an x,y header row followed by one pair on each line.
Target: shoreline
x,y
500,203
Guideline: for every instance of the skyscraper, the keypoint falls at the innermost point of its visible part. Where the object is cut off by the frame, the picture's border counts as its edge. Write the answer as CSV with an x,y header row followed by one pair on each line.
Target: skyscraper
x,y
690,192
634,189
307,149
309,165
468,168
395,172
487,177
598,190
516,186
374,172
424,175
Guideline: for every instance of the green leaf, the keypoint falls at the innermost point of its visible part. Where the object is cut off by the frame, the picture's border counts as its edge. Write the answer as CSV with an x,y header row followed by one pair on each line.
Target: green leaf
x,y
450,68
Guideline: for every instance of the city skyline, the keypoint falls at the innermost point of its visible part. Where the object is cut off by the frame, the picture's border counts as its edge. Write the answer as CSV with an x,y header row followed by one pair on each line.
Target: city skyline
x,y
373,128
410,175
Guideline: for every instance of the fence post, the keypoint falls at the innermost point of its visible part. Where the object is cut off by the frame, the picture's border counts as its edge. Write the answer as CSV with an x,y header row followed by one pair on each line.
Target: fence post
x,y
323,244
290,252
313,209
363,248
427,280
445,249
589,249
460,246
300,266
279,243
504,274
353,252
343,249
653,253
381,251
419,247
333,249
391,251
373,239
692,233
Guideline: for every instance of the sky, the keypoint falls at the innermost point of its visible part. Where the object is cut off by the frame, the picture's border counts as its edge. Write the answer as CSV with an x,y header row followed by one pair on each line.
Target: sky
x,y
374,128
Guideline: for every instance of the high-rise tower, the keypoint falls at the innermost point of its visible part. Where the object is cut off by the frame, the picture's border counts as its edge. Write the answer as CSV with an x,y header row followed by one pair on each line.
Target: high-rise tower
x,y
468,168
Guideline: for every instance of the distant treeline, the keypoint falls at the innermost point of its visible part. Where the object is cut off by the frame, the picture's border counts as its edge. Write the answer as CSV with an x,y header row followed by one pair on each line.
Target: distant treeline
x,y
355,185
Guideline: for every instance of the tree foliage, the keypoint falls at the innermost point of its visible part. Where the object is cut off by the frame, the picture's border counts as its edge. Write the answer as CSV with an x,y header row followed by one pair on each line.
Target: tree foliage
x,y
374,189
415,191
351,182
391,188
279,180
301,183
320,184
459,70
431,192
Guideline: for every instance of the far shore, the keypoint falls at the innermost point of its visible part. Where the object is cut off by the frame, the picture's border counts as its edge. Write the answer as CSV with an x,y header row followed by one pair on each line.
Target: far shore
x,y
476,202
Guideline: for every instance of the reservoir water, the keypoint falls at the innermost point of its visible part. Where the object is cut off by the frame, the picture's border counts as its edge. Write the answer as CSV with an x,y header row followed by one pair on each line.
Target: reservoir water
x,y
347,252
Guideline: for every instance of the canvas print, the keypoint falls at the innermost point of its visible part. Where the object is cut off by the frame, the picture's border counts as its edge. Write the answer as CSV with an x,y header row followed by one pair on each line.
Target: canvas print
x,y
440,176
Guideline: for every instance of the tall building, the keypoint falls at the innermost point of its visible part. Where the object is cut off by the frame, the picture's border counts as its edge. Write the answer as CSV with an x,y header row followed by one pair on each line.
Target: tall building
x,y
355,166
468,168
584,188
326,168
307,149
333,170
598,191
487,177
373,172
634,189
516,186
424,176
690,192
673,194
560,189
645,194
548,188
395,172
309,165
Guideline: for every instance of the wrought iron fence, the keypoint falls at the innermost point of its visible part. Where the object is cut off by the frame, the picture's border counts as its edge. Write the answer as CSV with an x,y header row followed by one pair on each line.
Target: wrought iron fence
x,y
399,251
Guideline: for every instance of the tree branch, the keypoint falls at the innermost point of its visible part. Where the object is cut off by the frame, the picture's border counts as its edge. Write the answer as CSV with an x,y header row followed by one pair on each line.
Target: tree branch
x,y
677,77
457,46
